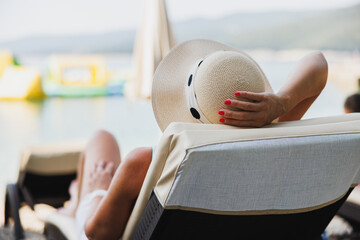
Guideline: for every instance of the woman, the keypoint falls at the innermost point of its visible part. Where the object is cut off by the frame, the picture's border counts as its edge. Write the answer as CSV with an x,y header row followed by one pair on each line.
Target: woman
x,y
212,83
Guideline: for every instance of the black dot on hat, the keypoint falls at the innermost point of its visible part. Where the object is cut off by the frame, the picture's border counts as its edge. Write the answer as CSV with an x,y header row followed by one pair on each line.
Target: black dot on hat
x,y
200,63
190,80
195,113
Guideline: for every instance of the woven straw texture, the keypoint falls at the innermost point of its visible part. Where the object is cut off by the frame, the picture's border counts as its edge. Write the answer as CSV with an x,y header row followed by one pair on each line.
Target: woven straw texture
x,y
220,76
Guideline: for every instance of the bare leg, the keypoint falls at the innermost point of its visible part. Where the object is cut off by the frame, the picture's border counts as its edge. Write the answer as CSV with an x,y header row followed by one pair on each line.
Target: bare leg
x,y
70,207
109,214
102,146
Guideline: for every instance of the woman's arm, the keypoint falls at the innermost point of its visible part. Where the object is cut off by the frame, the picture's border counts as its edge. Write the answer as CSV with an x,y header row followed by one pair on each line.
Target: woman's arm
x,y
305,84
302,87
110,213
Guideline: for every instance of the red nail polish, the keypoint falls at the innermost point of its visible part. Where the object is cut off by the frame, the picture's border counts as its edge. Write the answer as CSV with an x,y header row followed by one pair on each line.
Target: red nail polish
x,y
221,112
237,94
221,120
227,102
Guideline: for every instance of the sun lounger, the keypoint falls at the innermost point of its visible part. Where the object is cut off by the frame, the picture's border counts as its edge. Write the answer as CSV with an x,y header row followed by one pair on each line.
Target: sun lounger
x,y
284,181
60,227
45,174
350,210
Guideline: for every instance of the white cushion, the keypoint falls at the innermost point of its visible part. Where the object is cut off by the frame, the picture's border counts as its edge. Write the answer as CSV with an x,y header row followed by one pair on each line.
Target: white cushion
x,y
179,140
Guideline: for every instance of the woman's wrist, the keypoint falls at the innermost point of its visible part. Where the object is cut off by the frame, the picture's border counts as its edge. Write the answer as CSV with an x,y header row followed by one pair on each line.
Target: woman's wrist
x,y
285,103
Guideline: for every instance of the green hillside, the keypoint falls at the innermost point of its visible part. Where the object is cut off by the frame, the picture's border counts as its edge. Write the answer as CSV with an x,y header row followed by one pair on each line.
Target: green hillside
x,y
241,24
339,30
332,29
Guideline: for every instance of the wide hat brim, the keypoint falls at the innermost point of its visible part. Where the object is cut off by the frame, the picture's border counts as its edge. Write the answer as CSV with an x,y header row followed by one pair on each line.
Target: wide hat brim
x,y
171,76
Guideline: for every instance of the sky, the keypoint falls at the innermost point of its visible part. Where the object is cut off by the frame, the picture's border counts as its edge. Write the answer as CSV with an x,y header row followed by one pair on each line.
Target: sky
x,y
21,18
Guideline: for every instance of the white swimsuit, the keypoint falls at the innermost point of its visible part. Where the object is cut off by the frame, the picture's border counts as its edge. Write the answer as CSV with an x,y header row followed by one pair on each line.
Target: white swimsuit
x,y
83,210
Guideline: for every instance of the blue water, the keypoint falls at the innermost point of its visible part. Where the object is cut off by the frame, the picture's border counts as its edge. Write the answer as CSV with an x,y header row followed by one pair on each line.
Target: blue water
x,y
64,119
25,123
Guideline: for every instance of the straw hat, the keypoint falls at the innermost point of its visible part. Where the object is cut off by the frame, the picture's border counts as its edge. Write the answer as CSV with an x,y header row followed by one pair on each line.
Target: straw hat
x,y
196,77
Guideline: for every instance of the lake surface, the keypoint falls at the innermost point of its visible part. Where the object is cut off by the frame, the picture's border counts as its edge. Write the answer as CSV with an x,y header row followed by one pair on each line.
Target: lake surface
x,y
54,120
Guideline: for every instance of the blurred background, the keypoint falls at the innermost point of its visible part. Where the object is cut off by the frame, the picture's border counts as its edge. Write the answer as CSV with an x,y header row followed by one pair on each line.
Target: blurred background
x,y
68,68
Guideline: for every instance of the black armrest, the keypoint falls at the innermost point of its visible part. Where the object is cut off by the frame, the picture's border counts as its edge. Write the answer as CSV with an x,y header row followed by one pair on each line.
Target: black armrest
x,y
12,206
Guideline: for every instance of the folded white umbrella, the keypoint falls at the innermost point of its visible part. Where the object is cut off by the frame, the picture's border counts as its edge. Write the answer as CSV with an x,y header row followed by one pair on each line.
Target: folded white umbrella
x,y
153,41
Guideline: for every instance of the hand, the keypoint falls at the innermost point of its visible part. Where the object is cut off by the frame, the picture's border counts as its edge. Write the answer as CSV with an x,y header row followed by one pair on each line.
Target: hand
x,y
253,109
101,175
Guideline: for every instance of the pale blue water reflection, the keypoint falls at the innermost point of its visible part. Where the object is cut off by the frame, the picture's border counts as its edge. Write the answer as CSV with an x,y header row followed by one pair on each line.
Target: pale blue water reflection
x,y
66,119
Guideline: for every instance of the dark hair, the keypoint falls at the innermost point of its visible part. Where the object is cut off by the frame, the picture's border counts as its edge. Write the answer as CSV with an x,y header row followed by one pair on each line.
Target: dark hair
x,y
353,103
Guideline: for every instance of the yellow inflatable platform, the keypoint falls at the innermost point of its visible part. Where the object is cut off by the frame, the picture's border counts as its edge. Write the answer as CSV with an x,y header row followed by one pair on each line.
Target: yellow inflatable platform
x,y
18,82
76,75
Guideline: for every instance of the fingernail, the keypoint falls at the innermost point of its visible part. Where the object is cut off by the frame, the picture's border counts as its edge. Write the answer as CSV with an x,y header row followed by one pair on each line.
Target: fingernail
x,y
227,102
221,112
221,120
237,94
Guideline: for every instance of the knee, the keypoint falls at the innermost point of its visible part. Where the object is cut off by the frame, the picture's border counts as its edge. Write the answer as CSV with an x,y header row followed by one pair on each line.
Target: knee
x,y
102,134
100,137
135,168
138,161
